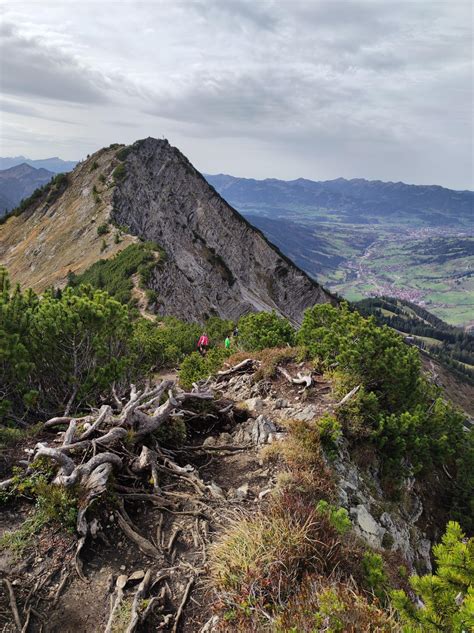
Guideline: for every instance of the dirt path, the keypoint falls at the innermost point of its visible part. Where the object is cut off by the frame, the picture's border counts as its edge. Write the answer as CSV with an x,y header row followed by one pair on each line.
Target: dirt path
x,y
186,517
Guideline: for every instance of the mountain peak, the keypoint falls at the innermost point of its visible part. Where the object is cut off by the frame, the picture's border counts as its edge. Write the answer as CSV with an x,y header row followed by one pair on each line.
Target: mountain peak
x,y
216,262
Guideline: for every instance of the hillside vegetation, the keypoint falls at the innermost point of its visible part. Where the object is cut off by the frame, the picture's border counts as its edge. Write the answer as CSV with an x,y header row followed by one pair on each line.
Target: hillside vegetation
x,y
57,230
294,558
451,345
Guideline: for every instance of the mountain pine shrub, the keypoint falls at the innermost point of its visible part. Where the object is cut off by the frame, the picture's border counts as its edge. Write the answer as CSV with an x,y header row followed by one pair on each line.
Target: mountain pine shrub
x,y
446,597
261,330
375,355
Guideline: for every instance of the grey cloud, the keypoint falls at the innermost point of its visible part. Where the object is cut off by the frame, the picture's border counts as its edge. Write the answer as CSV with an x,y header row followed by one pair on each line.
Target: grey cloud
x,y
239,13
22,109
31,68
354,87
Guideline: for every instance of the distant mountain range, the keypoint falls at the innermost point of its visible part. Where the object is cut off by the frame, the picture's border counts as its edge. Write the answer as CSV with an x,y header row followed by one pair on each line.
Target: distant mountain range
x,y
55,164
364,238
356,201
19,182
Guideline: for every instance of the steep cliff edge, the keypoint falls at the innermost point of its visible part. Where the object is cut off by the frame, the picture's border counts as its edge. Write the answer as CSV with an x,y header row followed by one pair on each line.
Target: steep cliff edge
x,y
217,263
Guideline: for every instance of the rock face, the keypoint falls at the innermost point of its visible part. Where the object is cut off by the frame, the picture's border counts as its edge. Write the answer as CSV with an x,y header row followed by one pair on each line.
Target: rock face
x,y
217,263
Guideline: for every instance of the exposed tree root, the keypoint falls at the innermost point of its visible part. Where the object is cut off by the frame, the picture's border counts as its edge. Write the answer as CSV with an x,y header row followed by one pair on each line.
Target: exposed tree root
x,y
13,604
301,379
184,599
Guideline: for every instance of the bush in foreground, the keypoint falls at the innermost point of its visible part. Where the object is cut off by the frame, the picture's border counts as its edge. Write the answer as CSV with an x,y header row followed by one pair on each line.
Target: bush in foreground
x,y
446,598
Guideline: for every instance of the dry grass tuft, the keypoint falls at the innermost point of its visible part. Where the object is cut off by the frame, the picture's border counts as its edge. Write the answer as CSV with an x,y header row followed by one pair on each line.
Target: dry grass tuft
x,y
269,358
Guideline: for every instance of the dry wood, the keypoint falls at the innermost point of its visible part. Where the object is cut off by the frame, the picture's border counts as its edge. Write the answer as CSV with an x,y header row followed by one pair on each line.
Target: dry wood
x,y
115,602
69,435
62,583
143,544
348,396
6,483
13,605
174,535
179,613
139,595
104,413
66,463
27,621
300,380
248,363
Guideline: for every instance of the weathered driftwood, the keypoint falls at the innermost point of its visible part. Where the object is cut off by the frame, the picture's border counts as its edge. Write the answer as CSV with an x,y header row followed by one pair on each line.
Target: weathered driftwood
x,y
140,594
13,605
348,396
184,599
245,365
299,380
140,541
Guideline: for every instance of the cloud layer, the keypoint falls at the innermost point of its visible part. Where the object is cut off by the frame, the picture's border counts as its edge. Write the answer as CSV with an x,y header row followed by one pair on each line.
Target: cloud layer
x,y
319,89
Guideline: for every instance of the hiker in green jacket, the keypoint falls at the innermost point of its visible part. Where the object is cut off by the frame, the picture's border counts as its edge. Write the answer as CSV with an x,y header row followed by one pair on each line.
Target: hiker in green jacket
x,y
227,342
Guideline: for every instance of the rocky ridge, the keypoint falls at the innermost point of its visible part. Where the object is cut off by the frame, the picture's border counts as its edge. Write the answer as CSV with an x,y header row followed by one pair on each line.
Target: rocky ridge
x,y
215,262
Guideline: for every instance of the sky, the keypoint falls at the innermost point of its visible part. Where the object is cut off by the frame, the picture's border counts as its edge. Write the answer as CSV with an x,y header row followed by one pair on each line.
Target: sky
x,y
317,89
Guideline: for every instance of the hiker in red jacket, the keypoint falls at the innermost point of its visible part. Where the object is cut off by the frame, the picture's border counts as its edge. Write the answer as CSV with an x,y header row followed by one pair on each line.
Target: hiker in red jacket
x,y
203,344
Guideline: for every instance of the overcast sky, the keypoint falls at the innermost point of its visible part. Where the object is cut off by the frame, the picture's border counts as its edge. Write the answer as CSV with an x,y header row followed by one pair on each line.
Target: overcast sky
x,y
266,88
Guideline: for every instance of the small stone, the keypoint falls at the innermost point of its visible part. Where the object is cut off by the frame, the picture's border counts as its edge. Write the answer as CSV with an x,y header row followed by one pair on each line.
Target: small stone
x,y
216,491
224,438
209,441
39,560
122,568
137,575
121,581
242,491
254,405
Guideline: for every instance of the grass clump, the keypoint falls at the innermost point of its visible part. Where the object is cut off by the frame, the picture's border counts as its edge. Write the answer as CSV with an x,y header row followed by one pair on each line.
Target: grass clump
x,y
114,275
255,556
18,541
122,616
103,229
95,195
259,562
119,174
54,505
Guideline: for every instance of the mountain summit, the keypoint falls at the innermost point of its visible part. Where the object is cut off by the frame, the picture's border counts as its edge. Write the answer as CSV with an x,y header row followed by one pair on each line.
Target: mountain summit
x,y
215,262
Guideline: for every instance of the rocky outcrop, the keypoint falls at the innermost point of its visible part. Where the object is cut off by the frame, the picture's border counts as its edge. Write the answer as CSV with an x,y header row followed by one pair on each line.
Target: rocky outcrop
x,y
217,263
381,523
